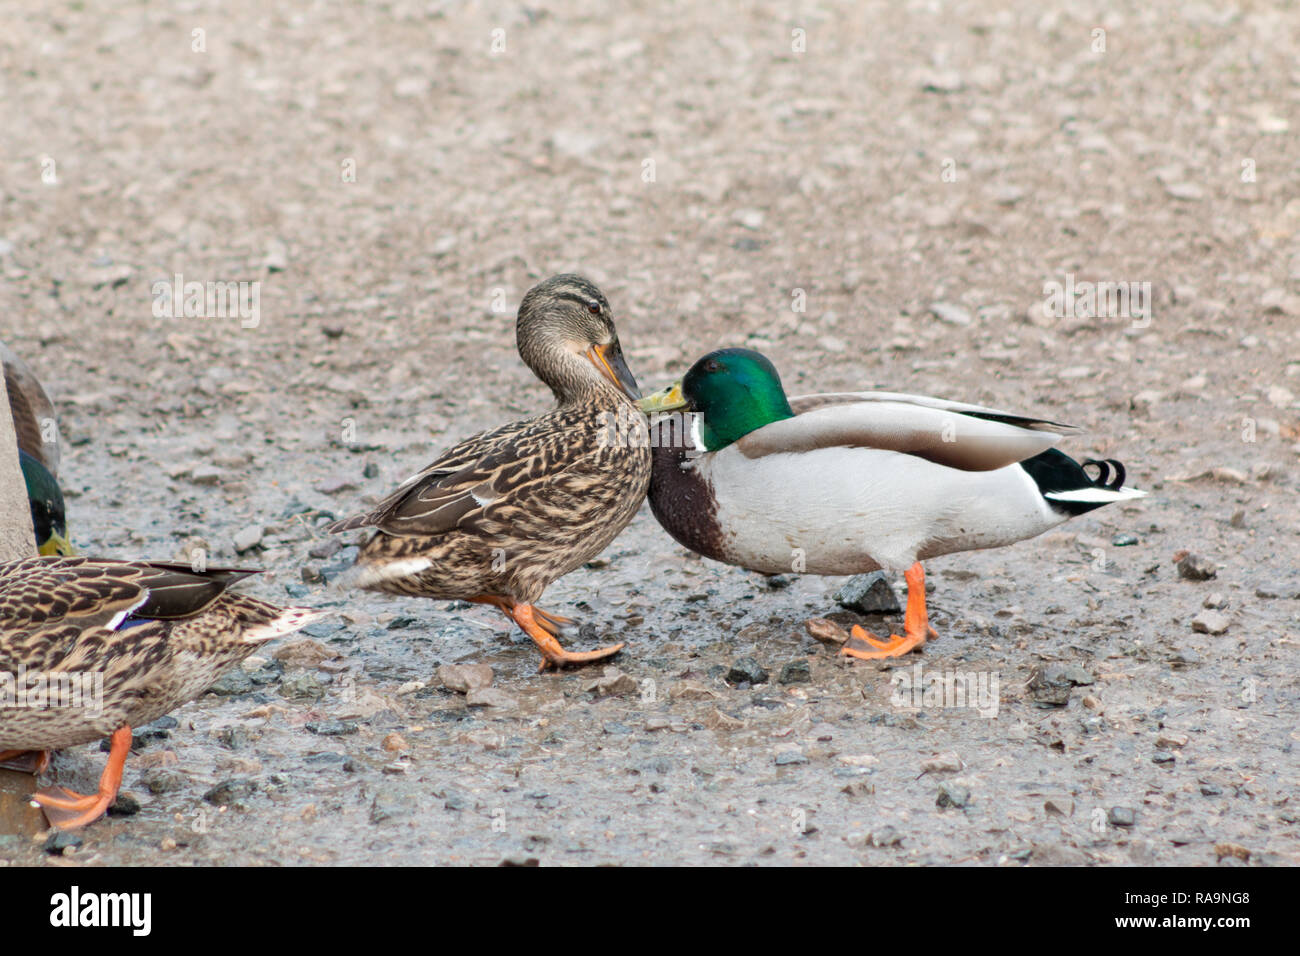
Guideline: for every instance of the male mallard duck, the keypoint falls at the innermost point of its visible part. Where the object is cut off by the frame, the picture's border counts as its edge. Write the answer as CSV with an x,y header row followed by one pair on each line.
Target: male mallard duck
x,y
119,643
38,452
504,513
851,482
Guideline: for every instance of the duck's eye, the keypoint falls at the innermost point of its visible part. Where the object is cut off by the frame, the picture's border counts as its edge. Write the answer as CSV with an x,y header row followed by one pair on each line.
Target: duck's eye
x,y
593,307
711,366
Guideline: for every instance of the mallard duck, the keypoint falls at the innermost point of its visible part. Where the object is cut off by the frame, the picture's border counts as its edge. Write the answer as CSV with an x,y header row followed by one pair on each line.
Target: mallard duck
x,y
504,513
851,482
120,643
38,453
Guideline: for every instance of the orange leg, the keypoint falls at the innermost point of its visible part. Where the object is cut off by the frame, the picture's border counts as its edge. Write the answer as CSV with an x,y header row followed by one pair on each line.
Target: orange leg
x,y
67,810
25,761
542,626
553,623
916,626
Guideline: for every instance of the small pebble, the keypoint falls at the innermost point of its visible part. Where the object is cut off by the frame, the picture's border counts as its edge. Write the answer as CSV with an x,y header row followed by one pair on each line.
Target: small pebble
x,y
952,795
1193,567
248,538
747,671
826,632
795,672
612,683
1210,622
1059,805
868,594
1121,817
462,678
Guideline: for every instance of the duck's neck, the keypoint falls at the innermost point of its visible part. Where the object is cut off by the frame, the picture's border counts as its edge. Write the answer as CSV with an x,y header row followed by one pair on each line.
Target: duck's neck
x,y
682,501
571,380
720,427
590,393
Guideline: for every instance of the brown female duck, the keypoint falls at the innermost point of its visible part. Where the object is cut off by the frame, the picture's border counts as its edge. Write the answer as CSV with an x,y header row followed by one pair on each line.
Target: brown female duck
x,y
90,648
504,513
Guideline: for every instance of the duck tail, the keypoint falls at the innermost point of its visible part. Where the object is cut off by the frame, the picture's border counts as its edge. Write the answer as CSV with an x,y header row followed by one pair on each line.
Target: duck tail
x,y
286,621
1068,486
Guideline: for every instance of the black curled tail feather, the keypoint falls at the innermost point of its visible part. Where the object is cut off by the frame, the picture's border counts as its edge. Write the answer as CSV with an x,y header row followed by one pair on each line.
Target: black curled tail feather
x,y
1056,473
1111,473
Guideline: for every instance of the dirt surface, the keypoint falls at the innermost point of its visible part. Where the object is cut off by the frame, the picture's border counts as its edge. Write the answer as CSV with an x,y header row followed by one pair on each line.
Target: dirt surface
x,y
912,154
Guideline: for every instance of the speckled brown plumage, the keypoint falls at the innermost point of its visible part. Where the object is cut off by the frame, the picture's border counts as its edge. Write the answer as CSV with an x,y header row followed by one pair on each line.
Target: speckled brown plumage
x,y
501,515
157,635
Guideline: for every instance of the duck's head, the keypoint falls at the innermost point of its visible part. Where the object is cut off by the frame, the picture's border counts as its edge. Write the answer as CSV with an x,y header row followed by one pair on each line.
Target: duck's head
x,y
733,391
565,334
49,517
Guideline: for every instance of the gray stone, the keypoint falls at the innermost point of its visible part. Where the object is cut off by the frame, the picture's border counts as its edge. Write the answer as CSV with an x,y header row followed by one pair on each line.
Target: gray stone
x,y
1211,622
233,683
1193,567
869,594
304,686
612,683
953,795
158,780
1059,804
787,758
952,314
490,697
60,841
463,678
747,671
795,672
248,538
230,792
1121,817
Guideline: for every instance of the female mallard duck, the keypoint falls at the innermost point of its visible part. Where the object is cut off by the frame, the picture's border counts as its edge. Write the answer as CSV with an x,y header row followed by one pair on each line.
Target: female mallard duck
x,y
90,648
851,482
38,452
501,515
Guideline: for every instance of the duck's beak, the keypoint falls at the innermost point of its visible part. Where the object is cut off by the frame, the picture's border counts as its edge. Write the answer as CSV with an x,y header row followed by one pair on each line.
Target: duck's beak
x,y
57,544
609,361
664,400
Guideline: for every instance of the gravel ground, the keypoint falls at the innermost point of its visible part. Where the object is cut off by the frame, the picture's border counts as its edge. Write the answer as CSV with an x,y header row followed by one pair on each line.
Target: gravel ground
x,y
394,183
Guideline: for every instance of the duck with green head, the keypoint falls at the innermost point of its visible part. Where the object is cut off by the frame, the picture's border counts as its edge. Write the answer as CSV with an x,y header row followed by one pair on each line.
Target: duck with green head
x,y
850,482
38,452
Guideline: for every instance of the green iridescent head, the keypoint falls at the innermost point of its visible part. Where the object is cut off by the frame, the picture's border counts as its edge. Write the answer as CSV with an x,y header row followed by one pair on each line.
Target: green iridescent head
x,y
734,391
49,516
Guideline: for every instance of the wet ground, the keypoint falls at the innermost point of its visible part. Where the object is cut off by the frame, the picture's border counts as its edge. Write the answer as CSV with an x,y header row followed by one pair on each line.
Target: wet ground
x,y
1122,734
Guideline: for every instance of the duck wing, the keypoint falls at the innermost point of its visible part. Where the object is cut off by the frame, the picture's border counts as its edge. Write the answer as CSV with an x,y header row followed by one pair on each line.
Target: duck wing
x,y
453,491
955,434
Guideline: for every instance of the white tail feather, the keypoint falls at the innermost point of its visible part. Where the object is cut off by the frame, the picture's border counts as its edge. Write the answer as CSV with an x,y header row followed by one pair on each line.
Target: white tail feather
x,y
289,619
1096,494
368,575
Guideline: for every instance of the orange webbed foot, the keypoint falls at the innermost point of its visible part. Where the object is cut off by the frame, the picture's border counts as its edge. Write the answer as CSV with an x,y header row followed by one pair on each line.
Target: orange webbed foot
x,y
67,810
553,655
865,646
